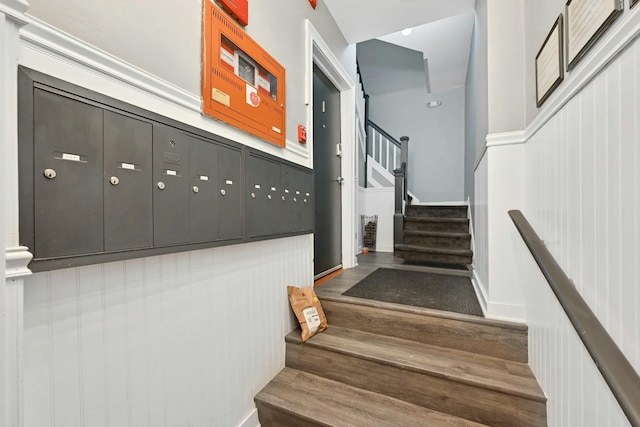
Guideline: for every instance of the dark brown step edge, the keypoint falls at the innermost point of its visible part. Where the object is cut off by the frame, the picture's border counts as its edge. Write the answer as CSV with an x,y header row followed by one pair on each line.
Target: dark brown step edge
x,y
452,234
435,219
310,403
505,389
463,334
432,250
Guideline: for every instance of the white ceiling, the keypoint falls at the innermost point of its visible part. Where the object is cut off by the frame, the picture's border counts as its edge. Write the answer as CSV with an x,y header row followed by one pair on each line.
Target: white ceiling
x,y
441,29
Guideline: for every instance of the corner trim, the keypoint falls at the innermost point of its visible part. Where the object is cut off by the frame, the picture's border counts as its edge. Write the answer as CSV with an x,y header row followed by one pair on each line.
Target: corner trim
x,y
46,38
16,261
15,10
482,297
251,420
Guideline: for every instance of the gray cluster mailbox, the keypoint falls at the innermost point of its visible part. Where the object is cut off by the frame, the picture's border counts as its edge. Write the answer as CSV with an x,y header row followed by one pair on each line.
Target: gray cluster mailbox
x,y
102,180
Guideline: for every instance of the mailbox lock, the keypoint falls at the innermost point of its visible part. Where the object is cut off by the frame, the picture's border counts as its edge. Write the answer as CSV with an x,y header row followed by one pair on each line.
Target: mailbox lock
x,y
295,200
253,195
223,192
282,197
114,180
161,185
50,173
269,196
195,189
305,200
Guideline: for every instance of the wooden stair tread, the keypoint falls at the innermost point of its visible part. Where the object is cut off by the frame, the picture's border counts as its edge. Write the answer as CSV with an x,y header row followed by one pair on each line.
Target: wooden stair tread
x,y
436,233
513,378
435,219
423,311
425,249
330,403
506,341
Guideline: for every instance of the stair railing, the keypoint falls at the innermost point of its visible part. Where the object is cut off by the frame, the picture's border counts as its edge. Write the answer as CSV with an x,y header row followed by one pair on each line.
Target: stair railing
x,y
616,370
383,148
401,198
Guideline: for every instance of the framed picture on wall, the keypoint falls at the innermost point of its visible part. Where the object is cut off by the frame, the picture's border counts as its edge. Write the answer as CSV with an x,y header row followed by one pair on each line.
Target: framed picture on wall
x,y
550,63
586,22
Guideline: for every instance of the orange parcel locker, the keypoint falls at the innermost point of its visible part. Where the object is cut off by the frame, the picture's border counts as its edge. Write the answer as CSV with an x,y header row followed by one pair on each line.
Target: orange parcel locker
x,y
242,84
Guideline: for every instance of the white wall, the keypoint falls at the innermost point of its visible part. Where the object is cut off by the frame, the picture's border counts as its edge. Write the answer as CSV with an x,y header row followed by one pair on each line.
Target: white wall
x,y
378,201
176,340
506,65
183,339
573,173
476,98
436,145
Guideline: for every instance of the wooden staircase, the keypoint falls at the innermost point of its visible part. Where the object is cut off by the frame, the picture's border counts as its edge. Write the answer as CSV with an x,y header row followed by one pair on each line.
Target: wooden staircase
x,y
438,234
381,364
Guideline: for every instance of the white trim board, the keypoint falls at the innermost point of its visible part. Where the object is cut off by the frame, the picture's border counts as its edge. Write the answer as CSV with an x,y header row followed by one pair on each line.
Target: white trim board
x,y
482,297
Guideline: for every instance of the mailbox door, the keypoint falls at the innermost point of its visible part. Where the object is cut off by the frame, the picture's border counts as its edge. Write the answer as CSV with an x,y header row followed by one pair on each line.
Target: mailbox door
x,y
271,221
256,195
203,192
308,209
128,205
170,186
285,211
229,193
68,215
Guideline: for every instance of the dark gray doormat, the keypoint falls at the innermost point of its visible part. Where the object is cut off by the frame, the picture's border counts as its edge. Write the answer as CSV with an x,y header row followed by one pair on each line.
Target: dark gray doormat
x,y
418,289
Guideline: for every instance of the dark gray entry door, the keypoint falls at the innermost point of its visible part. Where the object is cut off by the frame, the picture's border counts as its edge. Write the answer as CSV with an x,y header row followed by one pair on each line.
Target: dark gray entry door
x,y
327,176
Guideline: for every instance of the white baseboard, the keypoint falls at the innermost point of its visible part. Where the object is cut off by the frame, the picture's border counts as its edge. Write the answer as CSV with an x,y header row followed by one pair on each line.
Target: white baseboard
x,y
507,312
482,297
251,420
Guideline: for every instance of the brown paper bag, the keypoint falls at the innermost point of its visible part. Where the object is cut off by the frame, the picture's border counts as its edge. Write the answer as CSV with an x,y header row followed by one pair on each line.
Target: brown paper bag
x,y
307,308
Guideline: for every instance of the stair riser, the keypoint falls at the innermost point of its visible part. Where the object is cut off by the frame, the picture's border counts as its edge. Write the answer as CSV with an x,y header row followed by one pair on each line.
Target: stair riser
x,y
427,390
433,257
437,211
455,227
270,416
440,242
490,340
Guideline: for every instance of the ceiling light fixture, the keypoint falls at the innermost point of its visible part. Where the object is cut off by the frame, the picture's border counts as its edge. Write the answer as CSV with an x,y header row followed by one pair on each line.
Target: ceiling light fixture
x,y
406,31
434,104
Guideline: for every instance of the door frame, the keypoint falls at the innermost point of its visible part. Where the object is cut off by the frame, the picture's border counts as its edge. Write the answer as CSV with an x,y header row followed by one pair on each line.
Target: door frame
x,y
318,52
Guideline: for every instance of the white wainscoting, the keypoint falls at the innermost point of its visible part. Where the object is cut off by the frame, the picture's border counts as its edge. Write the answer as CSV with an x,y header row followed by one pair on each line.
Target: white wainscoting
x,y
583,188
577,394
183,339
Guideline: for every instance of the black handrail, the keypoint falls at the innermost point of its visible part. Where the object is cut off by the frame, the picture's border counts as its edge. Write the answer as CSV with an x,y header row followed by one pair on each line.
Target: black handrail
x,y
385,134
619,374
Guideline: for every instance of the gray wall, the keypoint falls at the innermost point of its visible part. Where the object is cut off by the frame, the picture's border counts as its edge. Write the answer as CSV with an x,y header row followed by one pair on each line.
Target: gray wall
x,y
436,146
476,95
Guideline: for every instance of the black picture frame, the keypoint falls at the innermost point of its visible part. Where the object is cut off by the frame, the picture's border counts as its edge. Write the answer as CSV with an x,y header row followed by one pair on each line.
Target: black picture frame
x,y
556,32
596,30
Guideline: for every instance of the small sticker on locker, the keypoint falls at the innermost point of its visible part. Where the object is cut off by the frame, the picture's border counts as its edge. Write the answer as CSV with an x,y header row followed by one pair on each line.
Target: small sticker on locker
x,y
297,192
273,188
257,186
171,172
307,194
204,178
286,191
128,166
229,182
72,157
275,129
221,97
